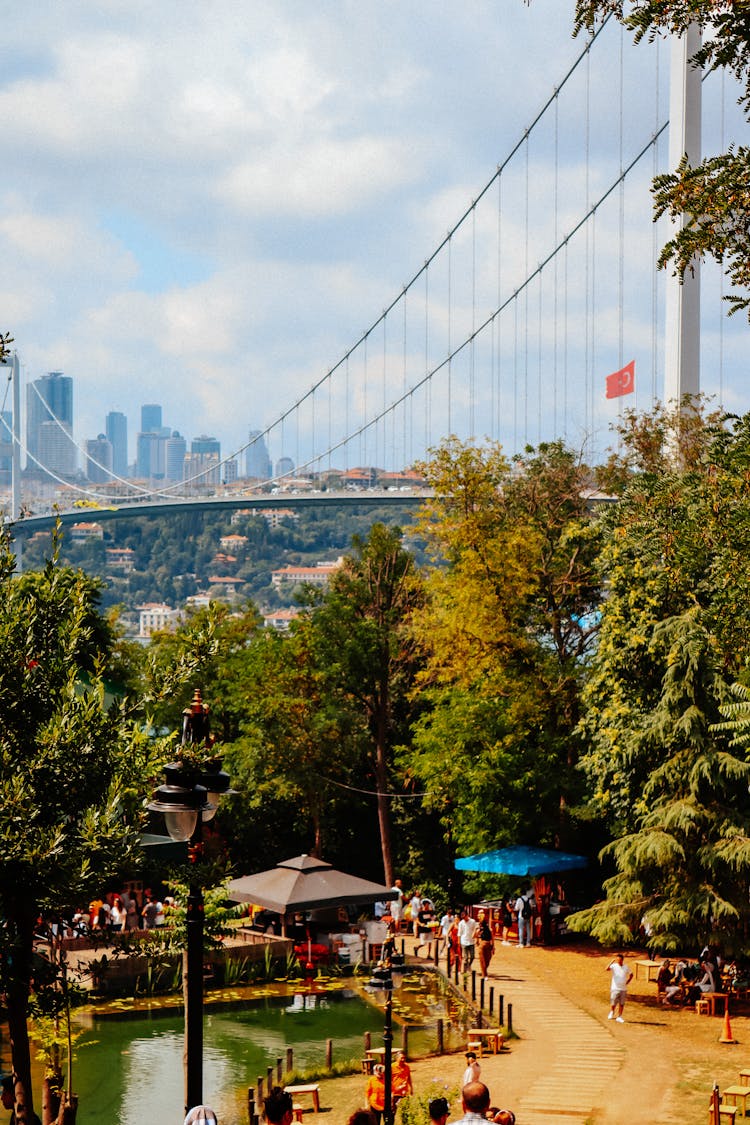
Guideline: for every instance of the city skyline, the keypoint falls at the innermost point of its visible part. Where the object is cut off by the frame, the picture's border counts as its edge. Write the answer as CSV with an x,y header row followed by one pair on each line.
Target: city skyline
x,y
208,208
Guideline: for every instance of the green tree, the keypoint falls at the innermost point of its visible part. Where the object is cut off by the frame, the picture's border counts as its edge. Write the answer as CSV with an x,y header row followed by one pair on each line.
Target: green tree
x,y
714,195
363,645
674,636
292,735
72,770
507,629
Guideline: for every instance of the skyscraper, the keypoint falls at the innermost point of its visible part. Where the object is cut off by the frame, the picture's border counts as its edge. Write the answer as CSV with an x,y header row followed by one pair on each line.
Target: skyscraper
x,y
176,447
151,418
99,459
257,461
117,435
151,455
49,424
6,446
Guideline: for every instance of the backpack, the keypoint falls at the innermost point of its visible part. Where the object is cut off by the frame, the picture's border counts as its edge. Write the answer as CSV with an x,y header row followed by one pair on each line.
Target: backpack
x,y
526,909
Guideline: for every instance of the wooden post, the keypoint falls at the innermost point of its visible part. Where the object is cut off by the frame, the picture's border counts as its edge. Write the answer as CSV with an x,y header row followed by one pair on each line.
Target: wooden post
x,y
501,1009
481,994
492,999
440,1041
368,1041
278,1071
269,1078
289,1060
473,984
261,1095
510,1017
329,1054
405,1040
250,1104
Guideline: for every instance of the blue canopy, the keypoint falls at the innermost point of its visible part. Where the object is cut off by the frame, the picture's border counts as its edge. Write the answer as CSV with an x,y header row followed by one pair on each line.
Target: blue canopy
x,y
522,861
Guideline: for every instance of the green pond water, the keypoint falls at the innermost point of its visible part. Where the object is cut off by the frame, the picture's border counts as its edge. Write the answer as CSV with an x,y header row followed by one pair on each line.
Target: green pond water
x,y
128,1068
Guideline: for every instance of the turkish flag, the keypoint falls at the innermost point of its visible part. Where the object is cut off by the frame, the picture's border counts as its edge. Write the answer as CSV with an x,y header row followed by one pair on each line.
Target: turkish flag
x,y
621,382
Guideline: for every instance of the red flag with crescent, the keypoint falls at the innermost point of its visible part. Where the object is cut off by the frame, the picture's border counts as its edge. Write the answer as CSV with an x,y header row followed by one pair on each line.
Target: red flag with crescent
x,y
621,382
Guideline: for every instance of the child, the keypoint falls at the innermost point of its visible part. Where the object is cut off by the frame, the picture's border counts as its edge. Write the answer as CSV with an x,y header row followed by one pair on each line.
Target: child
x,y
473,1069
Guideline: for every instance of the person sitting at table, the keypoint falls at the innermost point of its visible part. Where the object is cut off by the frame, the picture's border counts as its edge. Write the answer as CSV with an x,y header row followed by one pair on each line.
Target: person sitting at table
x,y
664,979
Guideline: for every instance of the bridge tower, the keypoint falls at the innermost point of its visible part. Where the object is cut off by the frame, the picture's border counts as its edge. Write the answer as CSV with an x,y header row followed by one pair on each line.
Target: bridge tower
x,y
682,326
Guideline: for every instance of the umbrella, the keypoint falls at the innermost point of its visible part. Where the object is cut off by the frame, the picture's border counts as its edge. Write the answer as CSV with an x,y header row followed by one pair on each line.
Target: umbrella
x,y
303,883
522,861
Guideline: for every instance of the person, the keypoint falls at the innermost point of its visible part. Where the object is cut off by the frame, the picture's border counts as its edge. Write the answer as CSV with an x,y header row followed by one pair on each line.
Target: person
x,y
522,907
425,918
446,923
278,1107
504,1117
467,929
397,905
438,1110
454,945
375,1092
362,1117
473,1069
475,1099
200,1113
486,943
416,905
621,978
117,915
507,912
131,910
401,1083
664,979
150,913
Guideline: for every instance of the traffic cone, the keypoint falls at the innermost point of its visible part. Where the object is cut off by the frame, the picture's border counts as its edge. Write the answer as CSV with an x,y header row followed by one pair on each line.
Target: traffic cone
x,y
726,1035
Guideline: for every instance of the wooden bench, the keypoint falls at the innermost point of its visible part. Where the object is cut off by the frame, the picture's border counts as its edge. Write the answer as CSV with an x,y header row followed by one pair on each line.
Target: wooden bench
x,y
493,1035
313,1089
739,1096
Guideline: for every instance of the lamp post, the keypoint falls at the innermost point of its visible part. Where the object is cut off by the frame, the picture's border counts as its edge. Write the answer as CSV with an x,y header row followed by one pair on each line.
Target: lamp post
x,y
382,977
189,797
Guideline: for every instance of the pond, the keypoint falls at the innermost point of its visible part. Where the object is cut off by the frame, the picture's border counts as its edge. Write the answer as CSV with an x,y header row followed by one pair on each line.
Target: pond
x,y
128,1068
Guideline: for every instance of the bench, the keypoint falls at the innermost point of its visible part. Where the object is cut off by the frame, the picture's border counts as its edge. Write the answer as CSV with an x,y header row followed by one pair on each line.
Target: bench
x,y
739,1096
313,1089
493,1035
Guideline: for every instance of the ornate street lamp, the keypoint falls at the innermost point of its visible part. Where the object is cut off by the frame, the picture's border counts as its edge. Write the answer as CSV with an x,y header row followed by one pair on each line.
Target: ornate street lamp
x,y
188,797
382,978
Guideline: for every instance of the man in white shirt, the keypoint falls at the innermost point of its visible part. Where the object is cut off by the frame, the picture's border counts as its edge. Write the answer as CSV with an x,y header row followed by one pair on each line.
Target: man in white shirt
x,y
618,991
467,928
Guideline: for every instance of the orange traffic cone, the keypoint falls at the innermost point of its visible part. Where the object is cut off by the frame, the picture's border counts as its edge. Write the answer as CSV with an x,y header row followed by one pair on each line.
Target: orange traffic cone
x,y
726,1035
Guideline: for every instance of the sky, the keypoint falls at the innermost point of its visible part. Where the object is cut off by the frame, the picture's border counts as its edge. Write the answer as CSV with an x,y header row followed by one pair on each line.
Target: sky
x,y
205,206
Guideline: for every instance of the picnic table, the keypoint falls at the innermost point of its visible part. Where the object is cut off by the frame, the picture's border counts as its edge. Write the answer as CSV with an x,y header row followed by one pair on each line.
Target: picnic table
x,y
313,1089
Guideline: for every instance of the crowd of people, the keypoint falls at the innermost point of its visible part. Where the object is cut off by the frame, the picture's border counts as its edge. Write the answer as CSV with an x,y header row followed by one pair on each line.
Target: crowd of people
x,y
113,913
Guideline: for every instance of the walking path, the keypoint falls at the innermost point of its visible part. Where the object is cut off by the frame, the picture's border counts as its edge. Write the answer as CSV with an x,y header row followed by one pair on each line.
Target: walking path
x,y
577,1057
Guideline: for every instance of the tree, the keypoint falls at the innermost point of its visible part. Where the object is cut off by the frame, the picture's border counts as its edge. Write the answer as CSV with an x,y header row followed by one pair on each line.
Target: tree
x,y
714,195
506,630
362,643
63,770
674,636
292,734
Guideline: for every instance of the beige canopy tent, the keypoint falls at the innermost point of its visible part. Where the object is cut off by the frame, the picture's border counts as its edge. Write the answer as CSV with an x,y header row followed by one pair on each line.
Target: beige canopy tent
x,y
305,883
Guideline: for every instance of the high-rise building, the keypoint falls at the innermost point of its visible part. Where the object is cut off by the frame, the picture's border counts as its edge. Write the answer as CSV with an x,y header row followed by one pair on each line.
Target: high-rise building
x,y
6,447
176,447
284,467
49,425
206,444
201,469
151,455
151,418
117,434
99,455
257,461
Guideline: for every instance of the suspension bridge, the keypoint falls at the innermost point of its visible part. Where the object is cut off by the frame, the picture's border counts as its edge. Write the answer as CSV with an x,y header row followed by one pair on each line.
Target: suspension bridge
x,y
544,286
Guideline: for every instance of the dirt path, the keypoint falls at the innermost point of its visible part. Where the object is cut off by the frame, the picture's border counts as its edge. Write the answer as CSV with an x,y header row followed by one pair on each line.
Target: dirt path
x,y
570,1064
